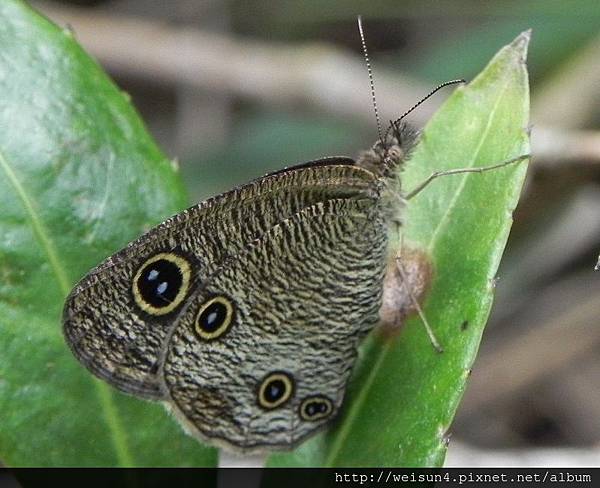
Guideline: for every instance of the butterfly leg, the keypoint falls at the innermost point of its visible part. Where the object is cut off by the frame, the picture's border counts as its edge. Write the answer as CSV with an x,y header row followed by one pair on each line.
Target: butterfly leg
x,y
405,281
480,169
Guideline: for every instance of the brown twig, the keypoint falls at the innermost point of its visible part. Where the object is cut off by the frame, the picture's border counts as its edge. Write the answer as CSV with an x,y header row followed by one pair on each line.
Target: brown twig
x,y
553,147
325,77
463,455
317,75
569,99
563,318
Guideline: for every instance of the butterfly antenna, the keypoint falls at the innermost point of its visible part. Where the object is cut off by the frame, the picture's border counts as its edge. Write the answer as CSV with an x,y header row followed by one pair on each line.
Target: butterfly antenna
x,y
431,93
370,71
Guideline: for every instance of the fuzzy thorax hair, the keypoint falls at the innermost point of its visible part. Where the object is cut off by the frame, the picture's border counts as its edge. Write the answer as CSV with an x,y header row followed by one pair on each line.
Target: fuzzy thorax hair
x,y
388,155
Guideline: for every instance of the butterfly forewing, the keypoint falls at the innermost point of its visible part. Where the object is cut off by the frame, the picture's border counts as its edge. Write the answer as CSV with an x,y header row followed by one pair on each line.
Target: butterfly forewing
x,y
118,317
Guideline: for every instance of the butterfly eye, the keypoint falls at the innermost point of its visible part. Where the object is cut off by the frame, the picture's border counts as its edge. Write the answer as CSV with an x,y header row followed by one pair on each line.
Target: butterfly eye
x,y
275,389
316,408
161,283
214,318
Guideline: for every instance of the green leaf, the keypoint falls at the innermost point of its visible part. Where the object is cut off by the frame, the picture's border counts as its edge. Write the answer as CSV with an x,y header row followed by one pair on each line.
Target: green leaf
x,y
79,178
404,395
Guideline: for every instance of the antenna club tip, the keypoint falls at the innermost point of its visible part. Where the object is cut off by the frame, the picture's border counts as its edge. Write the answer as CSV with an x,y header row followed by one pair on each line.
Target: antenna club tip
x,y
452,82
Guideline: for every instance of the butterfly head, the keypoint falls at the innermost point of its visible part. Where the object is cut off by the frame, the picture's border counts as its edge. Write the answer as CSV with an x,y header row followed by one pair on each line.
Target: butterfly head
x,y
388,155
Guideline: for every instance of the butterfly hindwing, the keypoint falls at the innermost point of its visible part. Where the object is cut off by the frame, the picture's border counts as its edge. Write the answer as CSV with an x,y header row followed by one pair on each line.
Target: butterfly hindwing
x,y
261,355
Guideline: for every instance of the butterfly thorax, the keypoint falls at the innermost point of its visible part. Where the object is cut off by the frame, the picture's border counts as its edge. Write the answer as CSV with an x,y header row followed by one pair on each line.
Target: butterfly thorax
x,y
389,153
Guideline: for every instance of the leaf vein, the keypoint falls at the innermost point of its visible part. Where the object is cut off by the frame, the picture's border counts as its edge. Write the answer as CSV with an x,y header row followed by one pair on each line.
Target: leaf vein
x,y
444,220
47,245
38,227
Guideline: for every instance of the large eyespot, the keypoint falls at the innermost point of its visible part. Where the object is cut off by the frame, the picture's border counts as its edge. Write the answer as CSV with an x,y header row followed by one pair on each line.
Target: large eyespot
x,y
214,318
161,283
316,408
275,389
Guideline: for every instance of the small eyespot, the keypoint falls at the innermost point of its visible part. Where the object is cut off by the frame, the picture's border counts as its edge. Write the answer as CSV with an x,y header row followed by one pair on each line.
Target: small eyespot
x,y
214,318
316,408
161,283
275,389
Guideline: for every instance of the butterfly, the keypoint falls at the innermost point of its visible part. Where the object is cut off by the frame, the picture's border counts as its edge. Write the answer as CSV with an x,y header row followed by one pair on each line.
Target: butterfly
x,y
244,313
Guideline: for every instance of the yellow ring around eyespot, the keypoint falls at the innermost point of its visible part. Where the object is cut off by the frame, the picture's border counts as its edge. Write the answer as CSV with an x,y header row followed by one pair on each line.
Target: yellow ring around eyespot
x,y
289,388
185,270
319,415
223,327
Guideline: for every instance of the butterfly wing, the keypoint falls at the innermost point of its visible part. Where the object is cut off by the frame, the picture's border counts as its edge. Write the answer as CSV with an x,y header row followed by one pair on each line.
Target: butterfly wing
x,y
117,318
269,364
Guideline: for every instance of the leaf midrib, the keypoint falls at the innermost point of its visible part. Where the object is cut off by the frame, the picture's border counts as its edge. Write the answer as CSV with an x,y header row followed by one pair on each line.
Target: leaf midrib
x,y
444,220
43,236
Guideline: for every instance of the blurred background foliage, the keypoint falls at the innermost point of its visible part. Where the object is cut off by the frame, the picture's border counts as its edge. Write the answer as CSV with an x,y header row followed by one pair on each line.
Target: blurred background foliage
x,y
233,89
